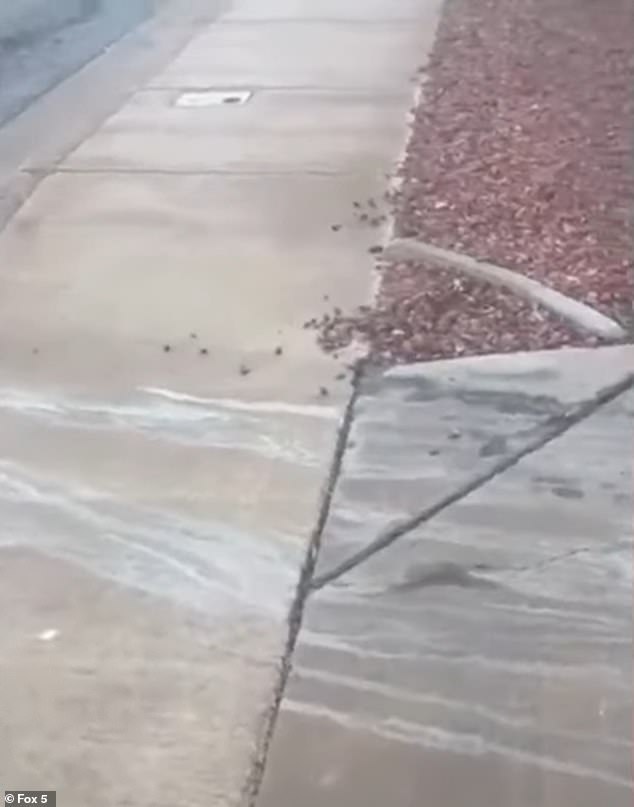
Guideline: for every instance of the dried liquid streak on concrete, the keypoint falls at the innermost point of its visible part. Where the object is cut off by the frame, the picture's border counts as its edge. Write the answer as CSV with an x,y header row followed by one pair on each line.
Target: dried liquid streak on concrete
x,y
210,567
273,407
528,444
165,541
260,428
518,692
407,695
411,649
438,739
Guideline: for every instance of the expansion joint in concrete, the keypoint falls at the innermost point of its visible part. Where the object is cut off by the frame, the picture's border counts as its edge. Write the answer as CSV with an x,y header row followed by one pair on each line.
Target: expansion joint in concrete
x,y
355,21
254,780
554,427
291,89
131,171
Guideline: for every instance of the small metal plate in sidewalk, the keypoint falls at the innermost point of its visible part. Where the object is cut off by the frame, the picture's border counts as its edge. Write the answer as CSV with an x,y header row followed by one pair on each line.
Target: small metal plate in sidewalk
x,y
194,99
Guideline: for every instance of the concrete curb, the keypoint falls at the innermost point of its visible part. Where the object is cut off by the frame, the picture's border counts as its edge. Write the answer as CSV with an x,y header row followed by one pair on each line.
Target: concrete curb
x,y
581,316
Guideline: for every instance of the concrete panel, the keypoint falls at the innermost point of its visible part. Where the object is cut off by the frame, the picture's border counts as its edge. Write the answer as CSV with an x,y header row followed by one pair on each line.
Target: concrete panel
x,y
486,657
132,263
359,10
113,696
166,421
326,55
150,542
424,429
274,131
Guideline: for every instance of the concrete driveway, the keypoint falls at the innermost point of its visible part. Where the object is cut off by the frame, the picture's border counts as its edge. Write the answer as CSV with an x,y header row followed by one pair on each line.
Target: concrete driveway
x,y
485,656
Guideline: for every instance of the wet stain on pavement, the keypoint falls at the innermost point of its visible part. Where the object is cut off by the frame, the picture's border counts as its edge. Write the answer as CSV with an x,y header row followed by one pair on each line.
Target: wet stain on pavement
x,y
428,575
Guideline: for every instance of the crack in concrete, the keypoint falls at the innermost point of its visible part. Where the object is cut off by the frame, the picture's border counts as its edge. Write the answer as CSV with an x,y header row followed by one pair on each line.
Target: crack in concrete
x,y
553,428
561,556
267,727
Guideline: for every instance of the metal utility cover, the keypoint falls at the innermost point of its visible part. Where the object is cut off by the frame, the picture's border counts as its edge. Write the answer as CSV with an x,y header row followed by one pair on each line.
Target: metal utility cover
x,y
202,98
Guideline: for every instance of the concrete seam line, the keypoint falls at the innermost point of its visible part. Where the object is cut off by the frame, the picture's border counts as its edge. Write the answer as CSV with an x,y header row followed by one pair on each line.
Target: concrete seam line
x,y
265,735
178,172
554,427
581,316
184,17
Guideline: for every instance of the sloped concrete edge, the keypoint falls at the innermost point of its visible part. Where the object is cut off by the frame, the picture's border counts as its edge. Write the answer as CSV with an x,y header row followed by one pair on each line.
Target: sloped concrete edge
x,y
568,373
579,315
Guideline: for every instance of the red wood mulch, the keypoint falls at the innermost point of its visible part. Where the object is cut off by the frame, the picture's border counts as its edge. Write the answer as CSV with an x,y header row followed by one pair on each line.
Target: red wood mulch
x,y
520,154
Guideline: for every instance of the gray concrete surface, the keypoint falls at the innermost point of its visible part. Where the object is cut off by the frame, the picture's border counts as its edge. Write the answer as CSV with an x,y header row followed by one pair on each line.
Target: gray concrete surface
x,y
357,10
485,657
42,43
334,133
156,506
22,19
51,127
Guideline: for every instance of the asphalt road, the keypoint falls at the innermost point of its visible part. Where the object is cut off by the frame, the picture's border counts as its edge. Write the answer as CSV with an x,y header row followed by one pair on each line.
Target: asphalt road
x,y
44,41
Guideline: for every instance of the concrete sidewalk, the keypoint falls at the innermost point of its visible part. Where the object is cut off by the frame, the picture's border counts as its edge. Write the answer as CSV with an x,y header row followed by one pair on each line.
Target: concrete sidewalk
x,y
161,464
485,657
156,505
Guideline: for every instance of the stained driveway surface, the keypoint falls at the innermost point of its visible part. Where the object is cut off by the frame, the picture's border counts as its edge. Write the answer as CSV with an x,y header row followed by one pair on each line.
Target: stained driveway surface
x,y
484,657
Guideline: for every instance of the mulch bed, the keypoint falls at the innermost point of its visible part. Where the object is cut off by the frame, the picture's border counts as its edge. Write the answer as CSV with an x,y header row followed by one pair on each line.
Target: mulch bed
x,y
520,154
